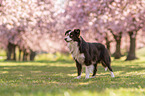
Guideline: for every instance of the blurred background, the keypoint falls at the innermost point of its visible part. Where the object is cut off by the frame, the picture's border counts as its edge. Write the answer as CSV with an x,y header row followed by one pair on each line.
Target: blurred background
x,y
32,27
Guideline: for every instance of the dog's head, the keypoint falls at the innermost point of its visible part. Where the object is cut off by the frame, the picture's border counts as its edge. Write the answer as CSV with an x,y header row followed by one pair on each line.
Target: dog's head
x,y
72,35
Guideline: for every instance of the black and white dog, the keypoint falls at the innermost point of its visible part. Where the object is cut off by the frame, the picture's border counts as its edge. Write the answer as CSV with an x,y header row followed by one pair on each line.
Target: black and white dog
x,y
88,54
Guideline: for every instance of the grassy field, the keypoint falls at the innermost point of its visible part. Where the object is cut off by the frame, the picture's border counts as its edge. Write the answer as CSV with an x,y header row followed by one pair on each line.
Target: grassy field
x,y
55,77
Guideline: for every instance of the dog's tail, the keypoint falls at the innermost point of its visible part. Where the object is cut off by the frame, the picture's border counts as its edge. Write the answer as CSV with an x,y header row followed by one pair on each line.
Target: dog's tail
x,y
106,60
105,55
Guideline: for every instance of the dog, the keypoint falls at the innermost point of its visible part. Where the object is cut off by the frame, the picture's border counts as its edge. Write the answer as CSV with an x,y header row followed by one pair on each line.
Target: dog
x,y
88,54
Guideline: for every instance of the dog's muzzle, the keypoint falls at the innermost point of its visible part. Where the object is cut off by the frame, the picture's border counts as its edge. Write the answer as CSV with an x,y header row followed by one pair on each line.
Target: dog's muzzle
x,y
67,40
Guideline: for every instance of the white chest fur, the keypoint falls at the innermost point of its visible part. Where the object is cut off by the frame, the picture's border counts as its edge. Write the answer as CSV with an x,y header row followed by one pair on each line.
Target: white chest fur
x,y
74,50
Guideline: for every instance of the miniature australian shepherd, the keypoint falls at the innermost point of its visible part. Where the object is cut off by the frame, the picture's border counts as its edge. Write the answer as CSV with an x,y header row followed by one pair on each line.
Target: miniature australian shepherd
x,y
88,54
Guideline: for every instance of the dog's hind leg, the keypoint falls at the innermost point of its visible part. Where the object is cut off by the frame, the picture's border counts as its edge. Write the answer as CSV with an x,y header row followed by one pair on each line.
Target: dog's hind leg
x,y
107,60
104,65
111,71
112,74
107,63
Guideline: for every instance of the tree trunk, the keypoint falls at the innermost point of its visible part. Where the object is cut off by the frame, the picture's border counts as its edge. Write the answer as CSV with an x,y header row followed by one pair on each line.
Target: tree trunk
x,y
117,54
32,55
9,51
25,55
108,43
14,52
132,53
20,51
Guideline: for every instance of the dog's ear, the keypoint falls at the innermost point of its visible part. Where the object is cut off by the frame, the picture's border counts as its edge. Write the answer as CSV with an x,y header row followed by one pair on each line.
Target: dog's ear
x,y
77,31
67,31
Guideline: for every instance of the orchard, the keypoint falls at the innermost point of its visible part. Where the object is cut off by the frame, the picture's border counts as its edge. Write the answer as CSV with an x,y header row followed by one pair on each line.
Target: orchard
x,y
28,27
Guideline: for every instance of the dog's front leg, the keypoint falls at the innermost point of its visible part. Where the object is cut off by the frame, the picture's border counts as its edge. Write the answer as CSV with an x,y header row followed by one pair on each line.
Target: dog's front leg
x,y
94,71
79,69
89,69
87,73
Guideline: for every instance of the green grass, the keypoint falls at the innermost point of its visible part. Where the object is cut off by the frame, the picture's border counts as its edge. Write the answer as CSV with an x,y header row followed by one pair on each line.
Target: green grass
x,y
56,78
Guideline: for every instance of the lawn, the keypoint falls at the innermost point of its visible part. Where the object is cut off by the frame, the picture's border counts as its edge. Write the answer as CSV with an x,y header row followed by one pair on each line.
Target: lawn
x,y
56,78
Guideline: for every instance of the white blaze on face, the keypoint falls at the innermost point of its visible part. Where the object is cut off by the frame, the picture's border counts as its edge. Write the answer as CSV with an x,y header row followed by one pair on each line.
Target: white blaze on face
x,y
68,37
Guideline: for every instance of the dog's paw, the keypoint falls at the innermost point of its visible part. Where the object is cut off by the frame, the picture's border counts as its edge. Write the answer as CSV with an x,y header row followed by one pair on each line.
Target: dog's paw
x,y
112,75
78,77
87,77
106,68
93,76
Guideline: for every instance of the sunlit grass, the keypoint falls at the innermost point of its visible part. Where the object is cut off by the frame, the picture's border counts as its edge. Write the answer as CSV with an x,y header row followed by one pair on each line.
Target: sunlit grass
x,y
53,57
56,78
